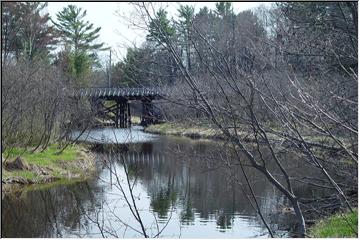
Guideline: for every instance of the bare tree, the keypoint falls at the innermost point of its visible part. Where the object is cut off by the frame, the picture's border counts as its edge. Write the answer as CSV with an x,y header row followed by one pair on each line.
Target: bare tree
x,y
233,106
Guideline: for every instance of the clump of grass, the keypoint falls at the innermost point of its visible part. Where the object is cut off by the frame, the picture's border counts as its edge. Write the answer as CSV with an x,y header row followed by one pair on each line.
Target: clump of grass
x,y
57,165
337,226
200,130
21,173
45,158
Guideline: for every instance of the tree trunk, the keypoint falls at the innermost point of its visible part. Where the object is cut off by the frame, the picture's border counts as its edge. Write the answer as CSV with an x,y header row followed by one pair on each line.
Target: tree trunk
x,y
301,228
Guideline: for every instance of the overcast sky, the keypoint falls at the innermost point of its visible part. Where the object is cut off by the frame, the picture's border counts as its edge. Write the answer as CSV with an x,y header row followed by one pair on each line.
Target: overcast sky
x,y
116,32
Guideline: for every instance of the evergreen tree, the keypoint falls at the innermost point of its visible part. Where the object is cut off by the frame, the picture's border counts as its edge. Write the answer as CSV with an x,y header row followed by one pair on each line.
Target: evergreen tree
x,y
75,31
326,31
224,9
160,28
79,36
25,31
186,14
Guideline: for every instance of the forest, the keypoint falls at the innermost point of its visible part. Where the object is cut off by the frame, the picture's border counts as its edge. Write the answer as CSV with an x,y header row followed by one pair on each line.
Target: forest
x,y
280,78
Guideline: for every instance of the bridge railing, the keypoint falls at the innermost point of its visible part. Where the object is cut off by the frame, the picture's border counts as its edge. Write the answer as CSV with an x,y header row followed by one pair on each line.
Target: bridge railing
x,y
118,92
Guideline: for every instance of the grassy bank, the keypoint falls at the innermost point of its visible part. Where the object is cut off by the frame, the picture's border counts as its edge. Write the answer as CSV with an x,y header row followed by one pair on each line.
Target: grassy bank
x,y
196,131
186,130
208,131
21,166
337,226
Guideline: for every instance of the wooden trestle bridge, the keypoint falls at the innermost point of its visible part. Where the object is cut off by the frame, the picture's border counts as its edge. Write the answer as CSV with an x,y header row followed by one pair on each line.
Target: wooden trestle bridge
x,y
119,113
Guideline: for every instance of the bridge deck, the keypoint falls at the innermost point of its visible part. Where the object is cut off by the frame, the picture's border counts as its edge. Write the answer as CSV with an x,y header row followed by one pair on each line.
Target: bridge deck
x,y
120,111
128,93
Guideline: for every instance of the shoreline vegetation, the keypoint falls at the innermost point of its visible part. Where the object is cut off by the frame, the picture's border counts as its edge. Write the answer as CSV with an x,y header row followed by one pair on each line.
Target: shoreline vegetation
x,y
206,131
338,225
194,131
21,167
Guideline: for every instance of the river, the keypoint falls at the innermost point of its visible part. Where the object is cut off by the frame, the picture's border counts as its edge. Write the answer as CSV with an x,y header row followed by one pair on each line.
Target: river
x,y
181,186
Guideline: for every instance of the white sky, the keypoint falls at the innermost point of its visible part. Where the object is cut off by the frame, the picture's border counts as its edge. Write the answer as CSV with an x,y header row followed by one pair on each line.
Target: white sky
x,y
116,32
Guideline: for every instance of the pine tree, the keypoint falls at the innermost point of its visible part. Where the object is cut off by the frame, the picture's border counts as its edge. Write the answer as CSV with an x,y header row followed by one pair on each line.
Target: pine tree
x,y
160,28
25,31
79,37
186,14
75,31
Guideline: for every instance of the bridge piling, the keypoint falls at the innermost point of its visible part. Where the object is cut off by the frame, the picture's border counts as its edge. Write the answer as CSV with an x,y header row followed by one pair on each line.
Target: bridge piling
x,y
122,114
147,113
119,113
129,114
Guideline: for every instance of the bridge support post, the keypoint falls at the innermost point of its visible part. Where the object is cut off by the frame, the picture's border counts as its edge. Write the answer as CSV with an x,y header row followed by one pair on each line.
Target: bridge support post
x,y
119,113
128,114
122,114
147,113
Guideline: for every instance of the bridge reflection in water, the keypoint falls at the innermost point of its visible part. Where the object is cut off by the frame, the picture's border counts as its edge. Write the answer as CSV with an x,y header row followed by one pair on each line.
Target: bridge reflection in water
x,y
175,178
136,158
119,113
179,179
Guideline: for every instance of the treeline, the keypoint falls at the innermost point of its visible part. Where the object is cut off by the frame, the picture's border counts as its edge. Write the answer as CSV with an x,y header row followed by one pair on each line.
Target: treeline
x,y
43,61
152,64
283,77
315,41
307,36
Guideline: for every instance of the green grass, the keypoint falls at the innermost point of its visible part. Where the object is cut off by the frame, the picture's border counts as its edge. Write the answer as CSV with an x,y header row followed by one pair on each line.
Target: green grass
x,y
337,226
22,173
70,161
45,158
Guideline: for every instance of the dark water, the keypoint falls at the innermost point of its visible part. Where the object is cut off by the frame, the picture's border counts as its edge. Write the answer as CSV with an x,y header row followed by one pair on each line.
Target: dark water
x,y
179,184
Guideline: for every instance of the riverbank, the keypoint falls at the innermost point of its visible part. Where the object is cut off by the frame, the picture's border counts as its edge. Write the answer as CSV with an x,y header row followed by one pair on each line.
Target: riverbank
x,y
210,132
201,131
185,130
340,225
333,226
22,167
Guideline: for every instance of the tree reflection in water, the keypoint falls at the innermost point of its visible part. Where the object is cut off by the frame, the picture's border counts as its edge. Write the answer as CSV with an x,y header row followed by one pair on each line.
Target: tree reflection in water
x,y
50,212
173,178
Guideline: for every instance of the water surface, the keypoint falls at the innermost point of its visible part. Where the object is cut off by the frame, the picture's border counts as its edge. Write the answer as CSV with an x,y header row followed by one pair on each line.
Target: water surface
x,y
181,185
114,135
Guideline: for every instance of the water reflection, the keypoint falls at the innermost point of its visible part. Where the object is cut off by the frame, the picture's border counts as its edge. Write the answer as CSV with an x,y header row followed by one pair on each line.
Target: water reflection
x,y
114,135
51,212
183,183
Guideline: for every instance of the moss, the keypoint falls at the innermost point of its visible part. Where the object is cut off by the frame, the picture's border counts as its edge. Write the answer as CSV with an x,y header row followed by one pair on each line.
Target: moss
x,y
336,226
